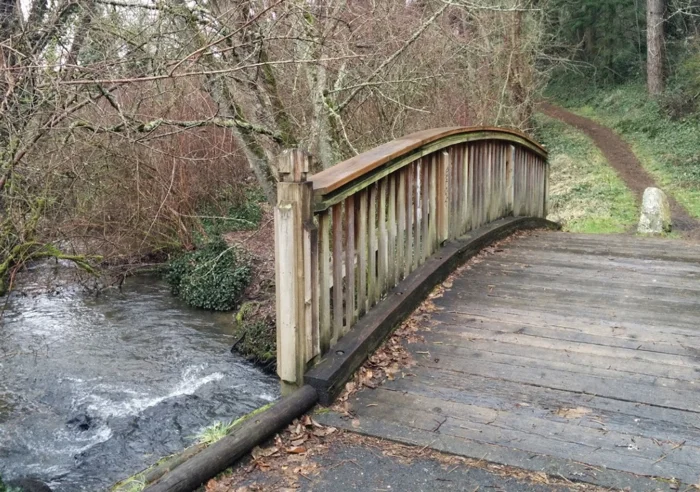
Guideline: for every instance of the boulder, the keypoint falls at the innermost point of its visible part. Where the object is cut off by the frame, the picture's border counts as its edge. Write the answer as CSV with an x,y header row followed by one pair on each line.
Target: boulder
x,y
656,213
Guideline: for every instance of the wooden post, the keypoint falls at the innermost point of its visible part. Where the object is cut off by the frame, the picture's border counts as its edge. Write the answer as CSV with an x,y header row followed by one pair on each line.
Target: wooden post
x,y
295,286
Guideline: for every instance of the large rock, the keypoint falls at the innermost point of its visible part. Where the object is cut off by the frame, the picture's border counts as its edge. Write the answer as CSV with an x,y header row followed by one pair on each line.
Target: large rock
x,y
656,213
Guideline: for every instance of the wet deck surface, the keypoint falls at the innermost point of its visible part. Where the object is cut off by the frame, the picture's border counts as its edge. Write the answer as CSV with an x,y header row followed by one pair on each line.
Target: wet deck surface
x,y
576,355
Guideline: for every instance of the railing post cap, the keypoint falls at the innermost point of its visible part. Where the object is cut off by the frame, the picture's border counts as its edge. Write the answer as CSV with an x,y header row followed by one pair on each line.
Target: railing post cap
x,y
293,165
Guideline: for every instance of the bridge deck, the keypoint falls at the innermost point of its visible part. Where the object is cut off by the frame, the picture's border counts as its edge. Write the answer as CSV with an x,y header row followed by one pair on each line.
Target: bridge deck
x,y
576,355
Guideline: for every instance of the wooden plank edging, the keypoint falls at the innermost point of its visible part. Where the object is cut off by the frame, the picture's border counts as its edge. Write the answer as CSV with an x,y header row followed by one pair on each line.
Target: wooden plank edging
x,y
331,374
224,453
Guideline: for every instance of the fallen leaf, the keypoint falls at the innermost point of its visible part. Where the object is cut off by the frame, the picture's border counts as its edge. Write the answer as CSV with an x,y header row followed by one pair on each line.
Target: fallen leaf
x,y
355,423
296,450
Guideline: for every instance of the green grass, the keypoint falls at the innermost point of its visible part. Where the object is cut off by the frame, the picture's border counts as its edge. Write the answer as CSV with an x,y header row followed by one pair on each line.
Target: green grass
x,y
586,194
219,430
668,148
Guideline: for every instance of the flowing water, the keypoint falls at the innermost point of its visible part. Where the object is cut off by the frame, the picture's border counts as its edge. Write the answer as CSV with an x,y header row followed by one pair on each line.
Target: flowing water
x,y
94,389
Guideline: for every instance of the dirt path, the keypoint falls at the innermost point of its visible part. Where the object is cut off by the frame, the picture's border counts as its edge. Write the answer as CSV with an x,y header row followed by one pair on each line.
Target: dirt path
x,y
622,159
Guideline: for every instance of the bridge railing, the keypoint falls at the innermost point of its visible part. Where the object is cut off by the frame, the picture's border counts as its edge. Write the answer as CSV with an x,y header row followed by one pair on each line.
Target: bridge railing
x,y
346,236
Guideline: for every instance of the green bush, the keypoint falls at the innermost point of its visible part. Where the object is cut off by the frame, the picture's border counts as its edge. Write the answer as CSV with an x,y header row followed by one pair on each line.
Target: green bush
x,y
211,277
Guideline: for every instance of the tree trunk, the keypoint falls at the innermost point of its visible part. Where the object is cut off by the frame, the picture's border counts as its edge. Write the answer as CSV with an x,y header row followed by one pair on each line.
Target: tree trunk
x,y
655,46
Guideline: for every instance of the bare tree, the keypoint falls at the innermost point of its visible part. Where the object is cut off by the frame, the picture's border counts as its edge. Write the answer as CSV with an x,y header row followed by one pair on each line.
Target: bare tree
x,y
99,96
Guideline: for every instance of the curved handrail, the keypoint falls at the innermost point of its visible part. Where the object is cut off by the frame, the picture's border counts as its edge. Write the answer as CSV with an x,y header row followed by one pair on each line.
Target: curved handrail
x,y
332,185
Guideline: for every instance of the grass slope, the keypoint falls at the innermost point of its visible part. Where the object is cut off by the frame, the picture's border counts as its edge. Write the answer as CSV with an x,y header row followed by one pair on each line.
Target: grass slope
x,y
586,194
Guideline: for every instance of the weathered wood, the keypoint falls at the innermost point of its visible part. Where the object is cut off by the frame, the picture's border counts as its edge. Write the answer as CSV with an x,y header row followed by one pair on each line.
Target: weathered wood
x,y
338,293
225,452
391,224
566,355
285,255
416,218
362,248
325,278
464,192
345,172
409,247
350,285
426,164
443,197
401,226
371,230
293,277
330,375
311,295
433,201
372,289
383,260
510,170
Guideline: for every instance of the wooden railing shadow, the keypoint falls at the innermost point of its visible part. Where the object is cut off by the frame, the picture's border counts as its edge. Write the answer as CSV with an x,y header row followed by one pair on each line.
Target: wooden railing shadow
x,y
347,236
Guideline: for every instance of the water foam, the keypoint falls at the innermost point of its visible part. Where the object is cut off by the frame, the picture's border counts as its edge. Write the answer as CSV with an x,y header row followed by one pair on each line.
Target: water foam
x,y
188,385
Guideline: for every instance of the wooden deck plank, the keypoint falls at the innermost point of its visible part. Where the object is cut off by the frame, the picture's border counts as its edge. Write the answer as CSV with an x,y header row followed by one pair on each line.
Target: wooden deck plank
x,y
460,358
615,358
624,334
553,350
597,412
490,423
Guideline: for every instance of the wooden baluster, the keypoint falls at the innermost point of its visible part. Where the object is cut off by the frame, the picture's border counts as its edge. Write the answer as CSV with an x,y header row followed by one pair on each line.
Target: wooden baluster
x,y
338,294
478,173
362,248
426,164
516,182
372,224
324,231
464,191
416,218
501,153
490,178
475,185
401,234
408,250
454,187
443,197
545,191
510,184
391,203
349,263
311,287
531,185
383,263
543,180
432,227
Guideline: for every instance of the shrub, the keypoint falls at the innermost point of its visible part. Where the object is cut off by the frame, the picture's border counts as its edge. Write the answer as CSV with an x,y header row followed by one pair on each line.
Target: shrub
x,y
211,277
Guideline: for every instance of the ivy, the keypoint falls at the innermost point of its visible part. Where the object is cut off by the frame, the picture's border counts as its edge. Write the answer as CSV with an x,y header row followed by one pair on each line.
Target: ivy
x,y
212,277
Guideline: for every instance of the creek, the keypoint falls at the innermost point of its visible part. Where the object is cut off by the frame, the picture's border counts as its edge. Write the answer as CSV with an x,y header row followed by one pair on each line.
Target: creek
x,y
96,388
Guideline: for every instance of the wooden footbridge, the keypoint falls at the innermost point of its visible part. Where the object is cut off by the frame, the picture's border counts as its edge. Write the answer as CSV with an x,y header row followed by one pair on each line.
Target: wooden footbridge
x,y
575,355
